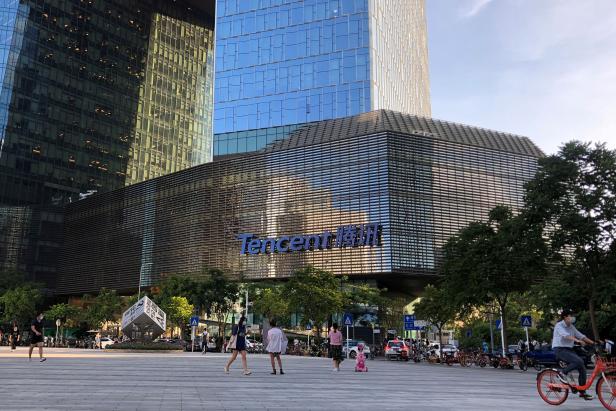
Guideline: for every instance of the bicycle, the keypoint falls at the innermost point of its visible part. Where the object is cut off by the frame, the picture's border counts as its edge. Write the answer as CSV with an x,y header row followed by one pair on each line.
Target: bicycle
x,y
553,391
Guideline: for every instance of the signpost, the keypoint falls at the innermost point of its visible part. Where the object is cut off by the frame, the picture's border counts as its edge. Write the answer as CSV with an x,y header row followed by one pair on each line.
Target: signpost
x,y
194,322
58,322
308,328
526,321
347,320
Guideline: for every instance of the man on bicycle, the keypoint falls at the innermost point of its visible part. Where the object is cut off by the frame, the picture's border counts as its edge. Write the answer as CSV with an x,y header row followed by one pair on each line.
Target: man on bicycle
x,y
565,336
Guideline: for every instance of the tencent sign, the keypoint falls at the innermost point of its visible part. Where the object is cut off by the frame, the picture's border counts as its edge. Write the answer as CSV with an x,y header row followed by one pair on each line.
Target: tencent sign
x,y
346,236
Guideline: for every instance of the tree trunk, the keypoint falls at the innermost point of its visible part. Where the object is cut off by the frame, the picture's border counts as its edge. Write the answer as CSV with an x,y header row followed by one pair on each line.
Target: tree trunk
x,y
440,341
593,319
504,325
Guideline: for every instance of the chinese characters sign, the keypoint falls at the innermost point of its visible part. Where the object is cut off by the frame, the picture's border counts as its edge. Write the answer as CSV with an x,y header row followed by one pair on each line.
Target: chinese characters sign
x,y
345,236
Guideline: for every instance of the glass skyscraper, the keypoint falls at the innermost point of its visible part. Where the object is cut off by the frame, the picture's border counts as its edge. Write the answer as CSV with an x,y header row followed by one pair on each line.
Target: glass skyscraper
x,y
95,95
286,62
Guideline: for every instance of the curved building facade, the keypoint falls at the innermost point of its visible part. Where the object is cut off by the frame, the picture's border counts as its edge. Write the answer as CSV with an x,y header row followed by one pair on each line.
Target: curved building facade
x,y
371,196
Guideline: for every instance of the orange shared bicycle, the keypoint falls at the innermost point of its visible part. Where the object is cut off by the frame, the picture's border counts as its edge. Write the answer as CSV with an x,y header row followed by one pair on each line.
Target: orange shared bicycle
x,y
553,391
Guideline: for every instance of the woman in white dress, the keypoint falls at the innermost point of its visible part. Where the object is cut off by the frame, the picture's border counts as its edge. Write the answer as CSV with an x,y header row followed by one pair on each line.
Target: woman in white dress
x,y
277,344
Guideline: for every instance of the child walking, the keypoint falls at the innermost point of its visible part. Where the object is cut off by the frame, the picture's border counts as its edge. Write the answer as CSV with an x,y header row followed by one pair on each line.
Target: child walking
x,y
276,345
360,360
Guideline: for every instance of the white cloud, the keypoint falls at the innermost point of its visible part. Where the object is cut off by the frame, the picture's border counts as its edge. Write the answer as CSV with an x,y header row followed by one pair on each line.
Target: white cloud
x,y
474,8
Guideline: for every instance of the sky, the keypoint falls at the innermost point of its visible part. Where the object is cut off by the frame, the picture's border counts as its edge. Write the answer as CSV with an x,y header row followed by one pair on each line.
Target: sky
x,y
545,69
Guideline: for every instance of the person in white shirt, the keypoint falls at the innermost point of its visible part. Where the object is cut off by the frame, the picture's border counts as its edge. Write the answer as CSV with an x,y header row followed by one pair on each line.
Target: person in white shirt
x,y
565,336
276,344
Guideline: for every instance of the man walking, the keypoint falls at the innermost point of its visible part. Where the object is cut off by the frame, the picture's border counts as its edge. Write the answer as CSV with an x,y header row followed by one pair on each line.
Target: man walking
x,y
565,336
204,338
36,336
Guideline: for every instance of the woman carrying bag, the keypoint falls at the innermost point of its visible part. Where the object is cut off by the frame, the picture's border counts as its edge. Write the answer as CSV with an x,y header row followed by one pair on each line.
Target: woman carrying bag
x,y
237,343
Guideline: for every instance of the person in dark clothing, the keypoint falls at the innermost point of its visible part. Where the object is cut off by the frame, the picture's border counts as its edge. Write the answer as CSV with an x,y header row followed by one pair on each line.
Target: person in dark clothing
x,y
36,336
239,345
14,334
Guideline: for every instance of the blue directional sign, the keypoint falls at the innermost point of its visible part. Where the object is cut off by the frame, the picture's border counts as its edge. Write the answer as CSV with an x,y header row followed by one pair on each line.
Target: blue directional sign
x,y
409,326
308,326
526,321
498,324
194,321
347,319
409,318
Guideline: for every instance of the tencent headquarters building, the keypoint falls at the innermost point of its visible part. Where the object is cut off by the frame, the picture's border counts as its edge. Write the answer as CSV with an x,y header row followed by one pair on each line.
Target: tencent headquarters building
x,y
373,196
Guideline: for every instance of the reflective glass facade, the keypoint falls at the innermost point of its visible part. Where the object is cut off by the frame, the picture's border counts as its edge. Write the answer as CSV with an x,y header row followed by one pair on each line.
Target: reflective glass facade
x,y
95,95
421,179
284,62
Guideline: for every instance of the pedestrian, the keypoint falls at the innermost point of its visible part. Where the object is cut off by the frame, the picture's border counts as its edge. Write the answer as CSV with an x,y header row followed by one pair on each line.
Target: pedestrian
x,y
360,359
237,343
335,346
97,341
204,338
276,344
14,335
36,336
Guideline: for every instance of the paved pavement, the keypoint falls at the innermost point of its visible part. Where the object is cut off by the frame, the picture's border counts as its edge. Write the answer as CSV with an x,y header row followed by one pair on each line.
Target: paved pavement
x,y
99,380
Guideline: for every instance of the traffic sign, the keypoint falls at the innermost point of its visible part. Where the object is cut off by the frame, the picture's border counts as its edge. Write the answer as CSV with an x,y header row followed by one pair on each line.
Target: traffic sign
x,y
498,324
308,326
469,333
408,326
194,321
347,320
526,321
409,318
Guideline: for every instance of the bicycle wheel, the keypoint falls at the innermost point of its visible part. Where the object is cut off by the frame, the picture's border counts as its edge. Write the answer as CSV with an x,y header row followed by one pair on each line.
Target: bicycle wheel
x,y
553,396
606,391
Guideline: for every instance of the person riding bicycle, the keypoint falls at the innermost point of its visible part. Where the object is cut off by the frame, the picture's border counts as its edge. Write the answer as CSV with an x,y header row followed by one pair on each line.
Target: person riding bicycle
x,y
565,336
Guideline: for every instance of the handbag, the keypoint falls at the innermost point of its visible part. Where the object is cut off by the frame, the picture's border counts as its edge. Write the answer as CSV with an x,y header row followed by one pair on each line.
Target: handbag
x,y
232,342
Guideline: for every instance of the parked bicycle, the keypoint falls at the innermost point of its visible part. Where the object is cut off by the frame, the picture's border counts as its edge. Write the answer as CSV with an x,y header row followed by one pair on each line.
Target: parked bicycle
x,y
553,390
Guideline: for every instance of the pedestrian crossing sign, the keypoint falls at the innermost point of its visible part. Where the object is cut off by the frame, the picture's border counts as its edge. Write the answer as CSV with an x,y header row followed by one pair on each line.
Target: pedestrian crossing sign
x,y
526,321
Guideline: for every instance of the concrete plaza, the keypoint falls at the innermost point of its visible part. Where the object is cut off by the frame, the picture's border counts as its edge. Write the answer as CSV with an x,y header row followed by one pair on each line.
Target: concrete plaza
x,y
73,379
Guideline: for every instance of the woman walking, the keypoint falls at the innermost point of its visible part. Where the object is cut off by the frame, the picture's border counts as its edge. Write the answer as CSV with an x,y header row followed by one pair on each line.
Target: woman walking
x,y
276,345
335,346
238,344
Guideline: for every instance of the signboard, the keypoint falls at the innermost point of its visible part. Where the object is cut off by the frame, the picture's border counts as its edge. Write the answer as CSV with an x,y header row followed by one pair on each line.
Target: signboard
x,y
308,326
194,321
498,324
526,321
345,236
421,323
146,315
409,318
410,324
347,320
376,331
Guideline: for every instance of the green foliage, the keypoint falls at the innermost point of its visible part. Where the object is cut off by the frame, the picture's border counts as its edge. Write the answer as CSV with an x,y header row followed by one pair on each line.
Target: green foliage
x,y
315,293
391,311
148,346
106,306
492,261
573,198
435,307
20,303
269,301
68,314
178,310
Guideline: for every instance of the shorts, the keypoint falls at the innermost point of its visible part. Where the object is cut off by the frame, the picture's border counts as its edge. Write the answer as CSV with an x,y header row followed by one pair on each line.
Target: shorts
x,y
36,339
335,352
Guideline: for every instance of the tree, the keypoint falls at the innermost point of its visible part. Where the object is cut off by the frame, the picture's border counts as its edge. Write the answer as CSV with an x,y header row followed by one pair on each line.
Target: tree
x,y
316,294
492,261
436,307
66,313
573,198
105,307
178,311
220,296
270,301
20,303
